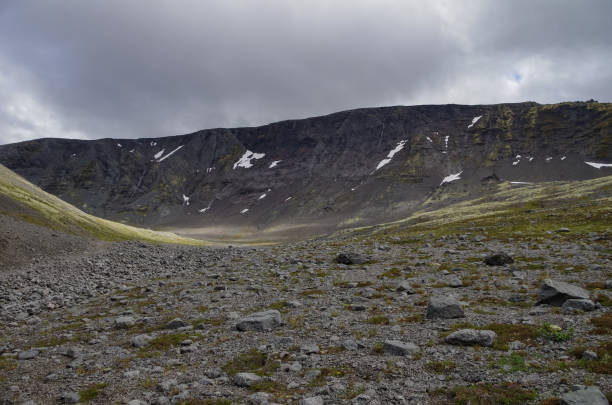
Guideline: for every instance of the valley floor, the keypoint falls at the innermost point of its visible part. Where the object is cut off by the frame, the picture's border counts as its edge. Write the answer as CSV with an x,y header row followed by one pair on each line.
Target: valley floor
x,y
154,324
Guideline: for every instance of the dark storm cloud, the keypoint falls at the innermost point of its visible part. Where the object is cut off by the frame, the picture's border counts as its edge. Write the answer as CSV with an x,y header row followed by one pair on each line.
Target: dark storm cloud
x,y
151,68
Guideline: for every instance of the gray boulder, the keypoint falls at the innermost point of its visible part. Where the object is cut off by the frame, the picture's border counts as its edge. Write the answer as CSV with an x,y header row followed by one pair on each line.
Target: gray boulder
x,y
577,305
444,308
470,337
140,340
351,258
318,400
584,396
557,292
397,348
498,259
124,322
70,398
246,379
28,354
177,323
404,286
260,321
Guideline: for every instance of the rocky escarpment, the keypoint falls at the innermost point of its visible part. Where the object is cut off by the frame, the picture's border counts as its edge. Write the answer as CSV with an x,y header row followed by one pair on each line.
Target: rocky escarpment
x,y
349,168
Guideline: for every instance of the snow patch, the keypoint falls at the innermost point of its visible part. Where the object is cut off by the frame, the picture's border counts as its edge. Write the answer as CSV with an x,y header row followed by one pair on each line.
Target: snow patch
x,y
118,145
244,211
516,163
598,165
288,198
210,169
185,199
398,147
169,154
261,197
474,120
520,182
153,143
132,150
274,164
530,158
563,157
446,141
158,154
451,177
548,159
429,139
245,160
203,210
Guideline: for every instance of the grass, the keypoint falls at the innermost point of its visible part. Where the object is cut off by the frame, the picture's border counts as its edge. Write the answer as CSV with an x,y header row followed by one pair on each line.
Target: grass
x,y
91,392
601,366
511,364
603,324
165,342
321,379
485,394
445,366
252,361
378,320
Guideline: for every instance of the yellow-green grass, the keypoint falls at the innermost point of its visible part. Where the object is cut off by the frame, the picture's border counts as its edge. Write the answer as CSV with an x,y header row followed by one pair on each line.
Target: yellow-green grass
x,y
41,208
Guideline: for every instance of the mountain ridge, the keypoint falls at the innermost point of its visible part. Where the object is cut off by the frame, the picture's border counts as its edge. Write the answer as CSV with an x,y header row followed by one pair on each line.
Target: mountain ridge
x,y
348,168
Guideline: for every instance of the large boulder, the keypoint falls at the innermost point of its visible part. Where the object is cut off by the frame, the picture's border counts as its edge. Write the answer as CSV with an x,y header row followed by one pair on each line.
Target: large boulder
x,y
246,379
444,308
577,305
498,259
351,258
470,337
555,293
397,348
260,321
584,396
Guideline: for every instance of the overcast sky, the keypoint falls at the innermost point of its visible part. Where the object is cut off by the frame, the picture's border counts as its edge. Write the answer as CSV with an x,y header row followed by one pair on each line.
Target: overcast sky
x,y
143,68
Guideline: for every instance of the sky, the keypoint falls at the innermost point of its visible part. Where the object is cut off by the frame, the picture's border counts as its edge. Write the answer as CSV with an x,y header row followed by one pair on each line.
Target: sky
x,y
149,68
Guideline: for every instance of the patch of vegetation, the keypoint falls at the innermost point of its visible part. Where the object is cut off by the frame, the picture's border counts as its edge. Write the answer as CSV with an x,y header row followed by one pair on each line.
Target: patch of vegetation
x,y
6,364
555,333
252,361
279,305
91,392
270,386
307,293
603,365
378,320
486,394
206,402
506,333
445,366
165,342
392,273
604,300
512,363
603,324
321,379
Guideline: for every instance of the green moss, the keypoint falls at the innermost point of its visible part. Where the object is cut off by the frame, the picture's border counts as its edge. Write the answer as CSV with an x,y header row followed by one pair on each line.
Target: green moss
x,y
486,394
252,361
91,392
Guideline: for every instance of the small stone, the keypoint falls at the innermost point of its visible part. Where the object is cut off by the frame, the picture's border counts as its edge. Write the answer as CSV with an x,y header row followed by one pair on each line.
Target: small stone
x,y
470,337
444,308
124,322
454,282
498,259
70,398
260,321
246,379
318,400
177,323
516,345
584,396
28,354
309,349
351,258
74,352
140,340
397,348
590,355
404,286
563,230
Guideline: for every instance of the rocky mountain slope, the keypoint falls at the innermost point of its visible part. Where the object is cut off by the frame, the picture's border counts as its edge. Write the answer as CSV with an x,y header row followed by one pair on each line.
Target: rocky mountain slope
x,y
505,299
304,177
35,225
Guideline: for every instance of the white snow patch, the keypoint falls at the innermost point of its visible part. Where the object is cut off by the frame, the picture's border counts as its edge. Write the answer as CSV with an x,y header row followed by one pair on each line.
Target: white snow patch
x,y
169,154
353,188
446,141
563,157
288,198
429,139
203,210
261,197
518,156
474,120
548,159
598,165
132,150
516,163
274,164
158,154
119,145
185,199
244,211
530,158
153,143
520,182
398,147
245,160
451,177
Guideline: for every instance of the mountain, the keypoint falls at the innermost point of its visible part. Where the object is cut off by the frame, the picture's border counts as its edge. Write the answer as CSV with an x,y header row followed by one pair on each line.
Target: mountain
x,y
34,223
303,177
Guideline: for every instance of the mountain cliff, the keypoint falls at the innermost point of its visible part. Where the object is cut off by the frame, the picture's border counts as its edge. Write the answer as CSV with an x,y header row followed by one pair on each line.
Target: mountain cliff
x,y
306,176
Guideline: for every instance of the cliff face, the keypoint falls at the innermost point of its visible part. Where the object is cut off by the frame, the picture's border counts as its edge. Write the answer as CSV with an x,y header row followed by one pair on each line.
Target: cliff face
x,y
353,167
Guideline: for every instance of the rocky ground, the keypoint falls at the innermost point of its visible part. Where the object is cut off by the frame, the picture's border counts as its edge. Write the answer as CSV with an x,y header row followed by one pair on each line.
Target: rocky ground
x,y
393,320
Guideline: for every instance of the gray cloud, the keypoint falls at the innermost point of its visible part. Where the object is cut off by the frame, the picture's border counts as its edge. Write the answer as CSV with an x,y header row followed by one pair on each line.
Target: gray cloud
x,y
154,68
